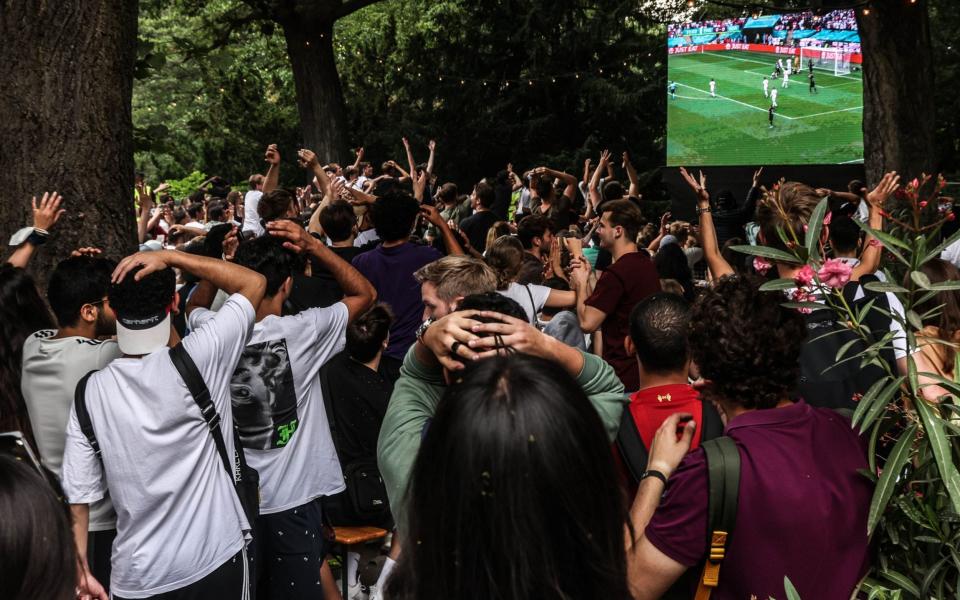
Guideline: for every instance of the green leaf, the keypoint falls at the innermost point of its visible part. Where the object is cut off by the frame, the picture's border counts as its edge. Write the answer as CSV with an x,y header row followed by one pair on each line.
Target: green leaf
x,y
888,478
920,279
843,349
931,575
914,319
939,249
887,239
901,580
765,252
791,591
778,285
886,286
814,227
880,404
940,445
867,400
945,286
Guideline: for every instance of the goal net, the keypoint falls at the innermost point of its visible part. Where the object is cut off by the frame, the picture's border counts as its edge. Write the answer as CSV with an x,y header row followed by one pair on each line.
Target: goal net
x,y
826,59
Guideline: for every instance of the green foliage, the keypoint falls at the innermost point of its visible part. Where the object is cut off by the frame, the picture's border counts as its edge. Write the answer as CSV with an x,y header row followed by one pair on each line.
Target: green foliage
x,y
914,444
215,86
181,188
205,100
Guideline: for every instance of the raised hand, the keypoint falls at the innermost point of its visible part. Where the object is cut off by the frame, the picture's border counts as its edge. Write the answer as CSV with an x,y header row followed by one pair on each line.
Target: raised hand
x,y
887,185
162,187
698,189
756,176
360,152
663,222
295,237
230,244
432,145
419,184
604,159
668,447
306,159
626,160
406,143
432,215
272,155
87,251
48,212
449,339
150,261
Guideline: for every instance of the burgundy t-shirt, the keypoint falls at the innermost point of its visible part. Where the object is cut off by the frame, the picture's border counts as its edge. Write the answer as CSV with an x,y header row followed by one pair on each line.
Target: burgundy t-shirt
x,y
624,284
802,511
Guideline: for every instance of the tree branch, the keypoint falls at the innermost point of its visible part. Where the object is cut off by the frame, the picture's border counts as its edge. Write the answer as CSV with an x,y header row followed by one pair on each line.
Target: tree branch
x,y
352,6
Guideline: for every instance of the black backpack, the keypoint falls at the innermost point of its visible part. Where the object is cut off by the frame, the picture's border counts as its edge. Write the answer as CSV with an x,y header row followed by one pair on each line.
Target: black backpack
x,y
828,383
366,493
246,480
635,455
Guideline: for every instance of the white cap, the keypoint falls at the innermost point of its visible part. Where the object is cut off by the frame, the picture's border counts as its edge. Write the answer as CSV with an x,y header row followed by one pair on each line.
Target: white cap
x,y
143,335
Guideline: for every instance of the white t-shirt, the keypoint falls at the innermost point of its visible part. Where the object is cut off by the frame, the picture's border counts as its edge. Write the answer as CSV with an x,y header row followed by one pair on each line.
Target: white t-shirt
x,y
251,219
51,370
278,405
365,237
531,297
178,515
855,262
359,182
194,225
951,254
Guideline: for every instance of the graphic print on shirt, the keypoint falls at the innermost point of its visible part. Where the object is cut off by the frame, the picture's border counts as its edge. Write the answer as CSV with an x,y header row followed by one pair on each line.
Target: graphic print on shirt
x,y
264,399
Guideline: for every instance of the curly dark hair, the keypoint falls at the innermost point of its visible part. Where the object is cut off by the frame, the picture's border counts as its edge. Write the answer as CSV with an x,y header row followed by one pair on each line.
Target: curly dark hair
x,y
393,215
745,343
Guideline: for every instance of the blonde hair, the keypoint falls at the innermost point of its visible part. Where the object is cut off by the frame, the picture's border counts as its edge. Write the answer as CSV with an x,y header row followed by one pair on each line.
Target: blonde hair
x,y
500,228
457,276
787,207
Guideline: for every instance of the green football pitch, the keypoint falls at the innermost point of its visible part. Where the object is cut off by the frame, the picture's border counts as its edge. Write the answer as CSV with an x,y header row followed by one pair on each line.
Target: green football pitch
x,y
733,128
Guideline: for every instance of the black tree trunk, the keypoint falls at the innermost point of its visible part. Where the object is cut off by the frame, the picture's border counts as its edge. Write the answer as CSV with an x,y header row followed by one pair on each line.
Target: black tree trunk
x,y
65,121
319,95
898,114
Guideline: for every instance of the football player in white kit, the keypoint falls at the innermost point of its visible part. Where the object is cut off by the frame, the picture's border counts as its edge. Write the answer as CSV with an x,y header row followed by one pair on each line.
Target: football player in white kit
x,y
713,88
766,87
773,97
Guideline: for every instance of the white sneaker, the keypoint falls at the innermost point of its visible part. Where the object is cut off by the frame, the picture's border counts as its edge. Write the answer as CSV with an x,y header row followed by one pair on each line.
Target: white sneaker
x,y
356,592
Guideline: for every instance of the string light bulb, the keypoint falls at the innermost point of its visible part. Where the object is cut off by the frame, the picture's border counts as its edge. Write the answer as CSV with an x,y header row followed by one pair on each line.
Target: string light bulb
x,y
866,11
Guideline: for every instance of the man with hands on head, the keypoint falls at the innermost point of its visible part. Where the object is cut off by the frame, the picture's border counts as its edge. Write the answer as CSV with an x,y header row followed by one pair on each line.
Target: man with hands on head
x,y
279,412
485,325
181,530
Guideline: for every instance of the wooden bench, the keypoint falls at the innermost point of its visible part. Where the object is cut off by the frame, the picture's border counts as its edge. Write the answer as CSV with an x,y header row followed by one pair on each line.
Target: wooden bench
x,y
346,537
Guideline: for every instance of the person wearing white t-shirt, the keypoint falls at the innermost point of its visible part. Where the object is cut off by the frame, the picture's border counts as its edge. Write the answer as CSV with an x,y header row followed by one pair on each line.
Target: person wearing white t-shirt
x,y
505,257
181,529
54,360
278,405
260,185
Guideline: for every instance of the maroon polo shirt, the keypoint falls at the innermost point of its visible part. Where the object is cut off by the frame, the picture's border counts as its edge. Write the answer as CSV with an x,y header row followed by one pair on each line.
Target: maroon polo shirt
x,y
622,285
802,511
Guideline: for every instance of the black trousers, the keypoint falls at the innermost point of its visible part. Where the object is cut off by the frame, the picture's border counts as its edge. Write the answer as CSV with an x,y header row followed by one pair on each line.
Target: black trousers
x,y
226,583
99,549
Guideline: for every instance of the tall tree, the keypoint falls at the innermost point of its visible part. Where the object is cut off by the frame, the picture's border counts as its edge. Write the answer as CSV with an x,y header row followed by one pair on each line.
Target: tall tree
x,y
308,28
66,122
898,114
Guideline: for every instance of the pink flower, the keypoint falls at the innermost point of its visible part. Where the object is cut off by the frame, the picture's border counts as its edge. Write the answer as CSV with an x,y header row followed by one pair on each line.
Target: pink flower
x,y
828,219
915,183
802,295
857,397
835,273
804,276
923,204
761,265
951,217
875,243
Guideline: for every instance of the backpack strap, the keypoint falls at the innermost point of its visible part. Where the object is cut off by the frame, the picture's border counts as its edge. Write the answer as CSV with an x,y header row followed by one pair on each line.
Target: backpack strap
x,y
533,305
630,445
83,415
201,395
712,425
723,472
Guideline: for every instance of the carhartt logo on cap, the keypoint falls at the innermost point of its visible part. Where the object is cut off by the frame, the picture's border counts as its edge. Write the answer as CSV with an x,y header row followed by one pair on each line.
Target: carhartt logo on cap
x,y
141,322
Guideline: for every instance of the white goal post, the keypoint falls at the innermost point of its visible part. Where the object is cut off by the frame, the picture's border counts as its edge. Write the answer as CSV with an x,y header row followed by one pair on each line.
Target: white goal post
x,y
827,59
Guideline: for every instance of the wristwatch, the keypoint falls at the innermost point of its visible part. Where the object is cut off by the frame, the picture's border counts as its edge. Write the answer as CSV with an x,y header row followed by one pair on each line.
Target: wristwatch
x,y
423,329
654,473
703,209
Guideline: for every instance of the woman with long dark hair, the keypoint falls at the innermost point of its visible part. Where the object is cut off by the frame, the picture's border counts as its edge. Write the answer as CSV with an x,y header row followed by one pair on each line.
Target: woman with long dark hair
x,y
22,312
514,494
37,556
671,263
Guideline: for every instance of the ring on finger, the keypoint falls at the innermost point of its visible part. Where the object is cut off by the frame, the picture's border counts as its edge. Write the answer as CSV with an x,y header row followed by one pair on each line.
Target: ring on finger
x,y
454,347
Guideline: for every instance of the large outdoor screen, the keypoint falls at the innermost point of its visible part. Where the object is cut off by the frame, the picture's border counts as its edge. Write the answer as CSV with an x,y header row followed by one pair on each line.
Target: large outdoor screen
x,y
778,89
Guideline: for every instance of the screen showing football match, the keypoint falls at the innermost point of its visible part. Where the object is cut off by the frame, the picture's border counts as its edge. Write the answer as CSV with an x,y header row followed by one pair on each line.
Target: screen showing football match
x,y
774,89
